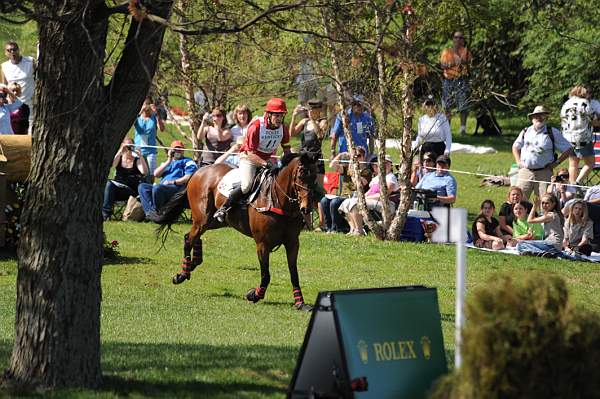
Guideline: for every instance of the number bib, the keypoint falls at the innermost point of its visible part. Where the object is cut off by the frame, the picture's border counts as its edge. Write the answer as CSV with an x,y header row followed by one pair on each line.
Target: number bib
x,y
269,139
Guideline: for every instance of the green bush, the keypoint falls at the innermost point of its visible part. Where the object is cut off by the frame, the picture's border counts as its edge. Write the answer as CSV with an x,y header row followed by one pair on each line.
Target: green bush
x,y
524,338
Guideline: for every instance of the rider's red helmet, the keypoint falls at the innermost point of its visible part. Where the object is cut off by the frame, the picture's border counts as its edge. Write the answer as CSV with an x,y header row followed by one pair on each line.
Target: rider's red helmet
x,y
276,105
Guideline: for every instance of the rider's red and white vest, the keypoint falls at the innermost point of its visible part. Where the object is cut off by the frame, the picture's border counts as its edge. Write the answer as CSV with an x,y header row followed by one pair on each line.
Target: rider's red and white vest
x,y
576,116
262,141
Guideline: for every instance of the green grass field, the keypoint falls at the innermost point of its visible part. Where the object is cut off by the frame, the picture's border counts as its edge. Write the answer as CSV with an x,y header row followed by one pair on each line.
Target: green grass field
x,y
202,339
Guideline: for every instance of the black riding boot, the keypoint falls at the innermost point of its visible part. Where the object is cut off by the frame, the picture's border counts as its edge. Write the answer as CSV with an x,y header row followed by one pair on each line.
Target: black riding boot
x,y
233,198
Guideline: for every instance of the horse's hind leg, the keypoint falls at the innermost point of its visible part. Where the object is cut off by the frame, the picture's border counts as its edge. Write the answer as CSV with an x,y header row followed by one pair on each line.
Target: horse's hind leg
x,y
191,242
258,293
291,248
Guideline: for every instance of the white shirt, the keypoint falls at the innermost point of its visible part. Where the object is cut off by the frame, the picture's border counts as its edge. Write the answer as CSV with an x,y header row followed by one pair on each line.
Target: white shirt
x,y
21,73
575,117
434,129
238,131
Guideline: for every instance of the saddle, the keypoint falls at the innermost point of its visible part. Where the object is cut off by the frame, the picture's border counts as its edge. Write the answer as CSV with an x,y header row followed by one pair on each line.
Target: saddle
x,y
261,187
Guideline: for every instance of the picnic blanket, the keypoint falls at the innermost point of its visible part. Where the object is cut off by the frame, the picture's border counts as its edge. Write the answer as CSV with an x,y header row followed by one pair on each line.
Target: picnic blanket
x,y
594,257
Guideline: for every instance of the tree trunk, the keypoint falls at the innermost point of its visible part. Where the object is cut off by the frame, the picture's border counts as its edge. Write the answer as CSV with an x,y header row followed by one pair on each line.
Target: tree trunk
x,y
78,126
362,204
188,85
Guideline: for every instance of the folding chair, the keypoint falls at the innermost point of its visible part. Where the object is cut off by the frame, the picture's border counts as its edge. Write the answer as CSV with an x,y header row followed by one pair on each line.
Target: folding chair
x,y
594,176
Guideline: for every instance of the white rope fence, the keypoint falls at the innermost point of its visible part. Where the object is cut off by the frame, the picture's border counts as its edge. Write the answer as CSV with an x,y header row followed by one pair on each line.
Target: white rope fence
x,y
455,171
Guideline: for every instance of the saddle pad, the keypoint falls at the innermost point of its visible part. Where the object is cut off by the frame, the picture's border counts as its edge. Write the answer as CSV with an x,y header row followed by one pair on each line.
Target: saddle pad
x,y
229,182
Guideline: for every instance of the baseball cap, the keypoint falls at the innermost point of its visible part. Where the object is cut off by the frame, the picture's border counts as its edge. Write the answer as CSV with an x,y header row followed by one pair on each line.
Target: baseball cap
x,y
177,143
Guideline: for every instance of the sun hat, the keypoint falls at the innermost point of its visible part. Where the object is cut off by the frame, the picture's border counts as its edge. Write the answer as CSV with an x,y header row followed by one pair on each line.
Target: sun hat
x,y
539,110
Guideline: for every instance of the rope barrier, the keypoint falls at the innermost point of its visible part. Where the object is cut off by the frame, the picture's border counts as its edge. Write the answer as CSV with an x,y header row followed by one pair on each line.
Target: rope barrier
x,y
456,171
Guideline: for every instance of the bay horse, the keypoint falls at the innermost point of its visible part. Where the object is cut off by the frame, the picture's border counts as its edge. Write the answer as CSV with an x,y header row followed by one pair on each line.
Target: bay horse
x,y
275,218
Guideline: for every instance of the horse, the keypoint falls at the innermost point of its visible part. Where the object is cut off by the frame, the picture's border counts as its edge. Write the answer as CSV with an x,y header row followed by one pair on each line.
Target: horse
x,y
274,218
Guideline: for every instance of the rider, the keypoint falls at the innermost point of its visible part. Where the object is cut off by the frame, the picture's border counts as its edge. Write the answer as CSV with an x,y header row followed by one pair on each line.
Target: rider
x,y
260,143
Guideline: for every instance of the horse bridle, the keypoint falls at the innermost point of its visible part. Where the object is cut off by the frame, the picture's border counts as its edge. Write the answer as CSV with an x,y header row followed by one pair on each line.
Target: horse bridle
x,y
295,199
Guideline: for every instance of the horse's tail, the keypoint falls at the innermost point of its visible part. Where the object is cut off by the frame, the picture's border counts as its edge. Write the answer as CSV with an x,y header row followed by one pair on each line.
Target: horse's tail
x,y
169,213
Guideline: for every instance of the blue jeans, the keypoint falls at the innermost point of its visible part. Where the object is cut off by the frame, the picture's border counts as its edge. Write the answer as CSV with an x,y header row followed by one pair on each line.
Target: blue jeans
x,y
113,193
153,197
537,247
333,220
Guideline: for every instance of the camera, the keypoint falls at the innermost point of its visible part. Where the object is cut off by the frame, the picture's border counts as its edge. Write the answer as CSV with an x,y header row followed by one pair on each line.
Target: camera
x,y
130,147
2,94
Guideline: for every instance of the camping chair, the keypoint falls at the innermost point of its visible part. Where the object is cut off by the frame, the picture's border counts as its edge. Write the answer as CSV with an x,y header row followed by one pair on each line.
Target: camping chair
x,y
594,176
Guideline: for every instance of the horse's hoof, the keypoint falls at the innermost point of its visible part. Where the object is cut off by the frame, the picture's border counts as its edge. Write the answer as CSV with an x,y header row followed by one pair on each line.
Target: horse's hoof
x,y
303,306
180,278
251,295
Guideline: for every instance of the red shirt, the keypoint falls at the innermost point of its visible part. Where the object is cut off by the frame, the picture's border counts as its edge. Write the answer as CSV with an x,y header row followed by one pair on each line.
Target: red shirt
x,y
262,141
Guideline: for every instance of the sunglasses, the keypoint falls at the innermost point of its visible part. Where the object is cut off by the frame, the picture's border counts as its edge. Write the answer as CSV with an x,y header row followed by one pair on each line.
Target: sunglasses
x,y
12,49
217,115
428,160
459,37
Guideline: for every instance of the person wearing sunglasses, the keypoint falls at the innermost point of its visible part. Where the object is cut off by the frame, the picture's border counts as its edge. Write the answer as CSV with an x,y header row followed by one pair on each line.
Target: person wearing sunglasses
x,y
20,69
455,62
215,135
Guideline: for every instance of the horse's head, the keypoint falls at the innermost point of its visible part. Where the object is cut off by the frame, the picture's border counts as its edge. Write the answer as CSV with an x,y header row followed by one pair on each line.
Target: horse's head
x,y
305,180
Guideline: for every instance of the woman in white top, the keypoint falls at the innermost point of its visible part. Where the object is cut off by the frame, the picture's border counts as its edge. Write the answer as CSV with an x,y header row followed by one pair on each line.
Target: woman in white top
x,y
434,133
241,117
576,120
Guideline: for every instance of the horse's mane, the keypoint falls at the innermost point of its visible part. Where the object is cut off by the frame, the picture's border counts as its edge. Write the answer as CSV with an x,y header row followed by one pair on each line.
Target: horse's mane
x,y
287,158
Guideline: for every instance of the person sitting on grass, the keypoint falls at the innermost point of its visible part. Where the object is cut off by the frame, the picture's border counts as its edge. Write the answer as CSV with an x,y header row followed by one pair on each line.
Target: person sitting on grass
x,y
522,230
486,229
552,220
506,216
579,230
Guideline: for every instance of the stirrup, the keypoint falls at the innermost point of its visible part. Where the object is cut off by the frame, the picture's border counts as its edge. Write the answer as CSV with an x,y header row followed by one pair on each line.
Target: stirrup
x,y
221,213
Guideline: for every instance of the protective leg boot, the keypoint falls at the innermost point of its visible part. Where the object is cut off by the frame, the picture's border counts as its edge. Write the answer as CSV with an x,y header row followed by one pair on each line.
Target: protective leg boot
x,y
233,198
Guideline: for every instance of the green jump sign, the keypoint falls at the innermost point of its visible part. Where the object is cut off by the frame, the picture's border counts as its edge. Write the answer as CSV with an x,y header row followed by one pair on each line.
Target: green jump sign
x,y
377,343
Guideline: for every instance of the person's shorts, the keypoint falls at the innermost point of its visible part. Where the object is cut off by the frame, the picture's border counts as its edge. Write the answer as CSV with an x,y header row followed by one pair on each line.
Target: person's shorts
x,y
585,151
455,94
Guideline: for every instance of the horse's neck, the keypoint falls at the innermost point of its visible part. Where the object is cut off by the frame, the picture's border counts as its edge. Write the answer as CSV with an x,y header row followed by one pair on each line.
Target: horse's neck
x,y
285,184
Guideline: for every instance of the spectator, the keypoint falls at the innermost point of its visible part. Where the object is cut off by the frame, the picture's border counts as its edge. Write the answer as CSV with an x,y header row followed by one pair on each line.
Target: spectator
x,y
440,181
19,119
131,168
559,187
534,152
175,173
145,127
523,230
214,133
6,108
506,216
455,62
419,171
312,130
576,120
241,116
372,197
434,133
333,221
486,229
20,69
232,156
579,230
592,195
361,125
552,221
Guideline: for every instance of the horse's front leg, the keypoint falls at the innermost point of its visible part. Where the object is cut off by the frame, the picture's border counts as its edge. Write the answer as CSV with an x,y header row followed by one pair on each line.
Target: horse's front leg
x,y
258,293
291,249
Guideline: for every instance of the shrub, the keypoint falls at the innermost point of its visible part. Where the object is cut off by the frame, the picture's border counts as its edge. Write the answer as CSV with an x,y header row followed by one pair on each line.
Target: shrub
x,y
525,339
